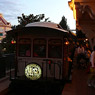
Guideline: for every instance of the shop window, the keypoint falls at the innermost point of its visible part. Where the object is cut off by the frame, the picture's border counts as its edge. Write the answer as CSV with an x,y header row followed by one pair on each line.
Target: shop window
x,y
55,48
1,34
24,47
39,48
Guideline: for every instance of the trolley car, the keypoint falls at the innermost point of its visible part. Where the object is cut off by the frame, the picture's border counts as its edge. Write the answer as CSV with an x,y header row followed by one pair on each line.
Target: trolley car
x,y
42,50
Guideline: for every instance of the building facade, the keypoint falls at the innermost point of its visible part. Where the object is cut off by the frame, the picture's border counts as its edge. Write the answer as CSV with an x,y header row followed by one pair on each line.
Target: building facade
x,y
4,27
84,14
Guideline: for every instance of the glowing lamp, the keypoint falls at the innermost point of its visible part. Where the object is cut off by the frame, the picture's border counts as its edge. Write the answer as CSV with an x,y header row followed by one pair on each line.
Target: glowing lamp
x,y
33,71
67,42
13,42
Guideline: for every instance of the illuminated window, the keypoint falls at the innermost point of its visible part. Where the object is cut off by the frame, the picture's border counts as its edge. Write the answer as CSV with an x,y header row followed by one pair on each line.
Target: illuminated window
x,y
39,48
1,34
24,47
55,48
1,29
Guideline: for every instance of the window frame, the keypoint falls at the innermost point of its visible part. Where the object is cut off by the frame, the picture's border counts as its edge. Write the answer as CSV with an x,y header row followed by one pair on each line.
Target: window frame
x,y
41,44
50,45
24,43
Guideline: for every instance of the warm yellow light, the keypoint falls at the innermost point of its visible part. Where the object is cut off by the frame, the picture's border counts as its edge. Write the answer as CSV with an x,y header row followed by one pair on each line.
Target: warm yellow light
x,y
4,49
74,12
86,39
33,71
72,6
69,59
66,42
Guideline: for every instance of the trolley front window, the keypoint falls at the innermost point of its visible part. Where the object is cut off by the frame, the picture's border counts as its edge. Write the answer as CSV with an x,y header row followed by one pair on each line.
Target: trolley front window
x,y
55,48
24,47
39,48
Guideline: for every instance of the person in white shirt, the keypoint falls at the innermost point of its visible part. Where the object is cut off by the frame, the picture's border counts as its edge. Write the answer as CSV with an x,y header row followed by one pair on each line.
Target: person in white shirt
x,y
92,58
91,79
80,49
80,55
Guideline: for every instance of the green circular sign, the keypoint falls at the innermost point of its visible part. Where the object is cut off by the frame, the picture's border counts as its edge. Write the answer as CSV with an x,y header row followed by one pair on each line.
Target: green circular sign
x,y
33,71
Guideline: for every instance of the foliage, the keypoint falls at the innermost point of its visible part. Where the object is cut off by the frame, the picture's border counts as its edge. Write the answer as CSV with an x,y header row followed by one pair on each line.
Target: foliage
x,y
24,19
7,46
63,23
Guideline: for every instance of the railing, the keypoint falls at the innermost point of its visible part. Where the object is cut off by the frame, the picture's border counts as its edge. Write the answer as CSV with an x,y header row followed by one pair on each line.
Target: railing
x,y
2,67
5,62
45,66
10,61
43,86
46,61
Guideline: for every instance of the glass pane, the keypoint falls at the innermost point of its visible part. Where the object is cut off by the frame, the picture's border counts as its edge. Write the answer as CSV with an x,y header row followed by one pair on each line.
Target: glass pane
x,y
55,48
24,47
1,34
24,41
39,48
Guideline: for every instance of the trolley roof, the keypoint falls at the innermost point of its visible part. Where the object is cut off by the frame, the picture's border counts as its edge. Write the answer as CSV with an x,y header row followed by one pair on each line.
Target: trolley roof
x,y
45,28
47,25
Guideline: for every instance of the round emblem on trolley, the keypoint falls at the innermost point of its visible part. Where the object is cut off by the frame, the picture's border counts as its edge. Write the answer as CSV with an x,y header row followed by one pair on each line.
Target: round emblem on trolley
x,y
33,71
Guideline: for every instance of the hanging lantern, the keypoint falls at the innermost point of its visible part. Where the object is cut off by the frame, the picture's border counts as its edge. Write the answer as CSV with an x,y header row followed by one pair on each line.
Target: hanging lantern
x,y
66,41
13,42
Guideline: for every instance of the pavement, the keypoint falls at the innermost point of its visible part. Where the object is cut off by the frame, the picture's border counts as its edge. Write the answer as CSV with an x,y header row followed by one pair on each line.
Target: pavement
x,y
78,85
4,84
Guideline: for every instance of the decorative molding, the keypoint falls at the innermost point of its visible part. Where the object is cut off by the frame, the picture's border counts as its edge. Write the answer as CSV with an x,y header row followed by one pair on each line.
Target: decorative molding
x,y
85,8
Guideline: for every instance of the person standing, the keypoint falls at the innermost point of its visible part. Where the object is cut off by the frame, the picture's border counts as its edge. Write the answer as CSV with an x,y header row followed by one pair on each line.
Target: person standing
x,y
91,79
87,55
80,55
80,49
92,59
